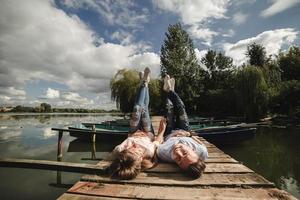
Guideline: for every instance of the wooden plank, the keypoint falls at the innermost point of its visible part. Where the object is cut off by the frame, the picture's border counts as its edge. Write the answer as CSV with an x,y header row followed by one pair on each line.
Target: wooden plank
x,y
163,192
53,165
217,155
180,179
214,150
68,196
221,160
210,168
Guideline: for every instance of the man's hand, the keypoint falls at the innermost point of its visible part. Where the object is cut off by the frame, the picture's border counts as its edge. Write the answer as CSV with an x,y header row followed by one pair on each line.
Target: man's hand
x,y
161,130
162,125
181,133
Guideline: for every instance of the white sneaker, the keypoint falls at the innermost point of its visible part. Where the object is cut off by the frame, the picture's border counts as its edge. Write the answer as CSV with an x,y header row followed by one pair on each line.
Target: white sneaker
x,y
141,75
172,84
167,84
146,77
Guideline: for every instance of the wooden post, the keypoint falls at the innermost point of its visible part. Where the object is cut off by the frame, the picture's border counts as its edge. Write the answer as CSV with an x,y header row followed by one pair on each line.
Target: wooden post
x,y
60,146
94,142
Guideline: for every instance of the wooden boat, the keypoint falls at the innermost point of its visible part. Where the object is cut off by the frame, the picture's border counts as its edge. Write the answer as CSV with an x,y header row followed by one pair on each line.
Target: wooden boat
x,y
124,126
218,135
227,135
82,132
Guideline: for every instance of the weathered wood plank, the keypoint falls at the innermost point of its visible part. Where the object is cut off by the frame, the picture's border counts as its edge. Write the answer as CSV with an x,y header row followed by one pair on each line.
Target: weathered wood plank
x,y
210,168
68,196
179,179
53,165
163,192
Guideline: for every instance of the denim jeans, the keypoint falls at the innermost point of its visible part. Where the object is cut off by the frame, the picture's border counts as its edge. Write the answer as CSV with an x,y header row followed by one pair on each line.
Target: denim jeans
x,y
175,113
140,118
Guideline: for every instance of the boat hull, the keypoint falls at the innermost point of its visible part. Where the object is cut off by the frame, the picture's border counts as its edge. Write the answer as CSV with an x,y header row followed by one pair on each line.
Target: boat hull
x,y
86,134
229,136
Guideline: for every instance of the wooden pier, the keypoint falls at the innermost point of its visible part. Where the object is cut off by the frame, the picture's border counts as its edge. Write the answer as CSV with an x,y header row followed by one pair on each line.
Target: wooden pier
x,y
224,178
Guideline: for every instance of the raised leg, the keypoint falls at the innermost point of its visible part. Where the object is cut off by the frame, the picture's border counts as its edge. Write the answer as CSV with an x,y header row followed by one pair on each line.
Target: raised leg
x,y
146,121
135,120
169,115
182,121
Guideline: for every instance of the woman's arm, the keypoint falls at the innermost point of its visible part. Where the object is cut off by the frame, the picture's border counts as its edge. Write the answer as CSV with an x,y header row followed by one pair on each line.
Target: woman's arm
x,y
126,144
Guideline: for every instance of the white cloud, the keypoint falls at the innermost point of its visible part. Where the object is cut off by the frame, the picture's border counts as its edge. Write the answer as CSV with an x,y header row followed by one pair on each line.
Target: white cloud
x,y
114,12
11,94
48,133
238,3
196,14
122,36
10,134
52,93
278,6
150,60
41,42
192,12
73,97
229,33
104,99
272,40
203,33
239,18
200,55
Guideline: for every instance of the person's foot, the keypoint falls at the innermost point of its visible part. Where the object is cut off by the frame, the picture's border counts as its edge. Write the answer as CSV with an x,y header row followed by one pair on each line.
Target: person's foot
x,y
141,75
146,78
167,84
172,84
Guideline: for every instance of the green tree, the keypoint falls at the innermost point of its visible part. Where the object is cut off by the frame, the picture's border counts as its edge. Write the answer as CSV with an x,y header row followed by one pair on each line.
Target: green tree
x,y
288,100
44,107
123,89
124,86
179,60
290,64
219,68
252,93
257,55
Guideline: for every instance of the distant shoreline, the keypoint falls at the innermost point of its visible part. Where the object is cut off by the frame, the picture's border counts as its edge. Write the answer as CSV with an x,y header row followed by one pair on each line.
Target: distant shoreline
x,y
59,113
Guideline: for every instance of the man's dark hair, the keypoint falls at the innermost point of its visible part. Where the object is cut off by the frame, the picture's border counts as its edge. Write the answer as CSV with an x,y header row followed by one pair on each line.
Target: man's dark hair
x,y
196,169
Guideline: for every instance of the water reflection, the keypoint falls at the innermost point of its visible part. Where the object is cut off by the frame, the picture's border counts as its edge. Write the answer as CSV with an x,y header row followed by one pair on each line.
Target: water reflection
x,y
273,153
31,137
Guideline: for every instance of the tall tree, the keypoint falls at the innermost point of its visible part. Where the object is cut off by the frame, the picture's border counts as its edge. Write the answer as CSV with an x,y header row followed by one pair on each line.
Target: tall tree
x,y
290,64
257,55
124,86
219,68
252,93
178,59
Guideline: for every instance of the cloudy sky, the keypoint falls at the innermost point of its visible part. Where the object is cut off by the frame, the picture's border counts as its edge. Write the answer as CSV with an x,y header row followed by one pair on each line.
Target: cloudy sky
x,y
65,52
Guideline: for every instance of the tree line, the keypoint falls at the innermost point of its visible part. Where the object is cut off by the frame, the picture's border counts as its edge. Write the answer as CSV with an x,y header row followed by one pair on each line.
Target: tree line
x,y
46,108
262,86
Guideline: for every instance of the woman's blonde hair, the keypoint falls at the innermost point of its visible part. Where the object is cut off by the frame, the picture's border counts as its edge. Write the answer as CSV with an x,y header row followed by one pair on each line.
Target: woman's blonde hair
x,y
126,165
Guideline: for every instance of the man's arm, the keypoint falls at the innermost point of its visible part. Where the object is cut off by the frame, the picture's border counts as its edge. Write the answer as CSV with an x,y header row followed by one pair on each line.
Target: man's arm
x,y
161,130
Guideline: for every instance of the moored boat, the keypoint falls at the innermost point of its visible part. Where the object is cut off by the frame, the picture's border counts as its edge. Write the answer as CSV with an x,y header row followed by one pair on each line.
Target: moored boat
x,y
227,135
216,134
83,132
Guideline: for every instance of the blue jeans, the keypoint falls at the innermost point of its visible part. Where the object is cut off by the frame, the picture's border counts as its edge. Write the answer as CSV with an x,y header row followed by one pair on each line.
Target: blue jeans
x,y
175,113
140,118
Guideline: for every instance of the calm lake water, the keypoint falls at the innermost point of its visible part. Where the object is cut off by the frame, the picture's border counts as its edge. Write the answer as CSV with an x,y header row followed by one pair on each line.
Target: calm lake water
x,y
273,153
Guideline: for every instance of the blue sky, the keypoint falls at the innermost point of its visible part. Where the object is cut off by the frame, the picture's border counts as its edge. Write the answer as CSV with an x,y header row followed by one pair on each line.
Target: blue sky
x,y
65,52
